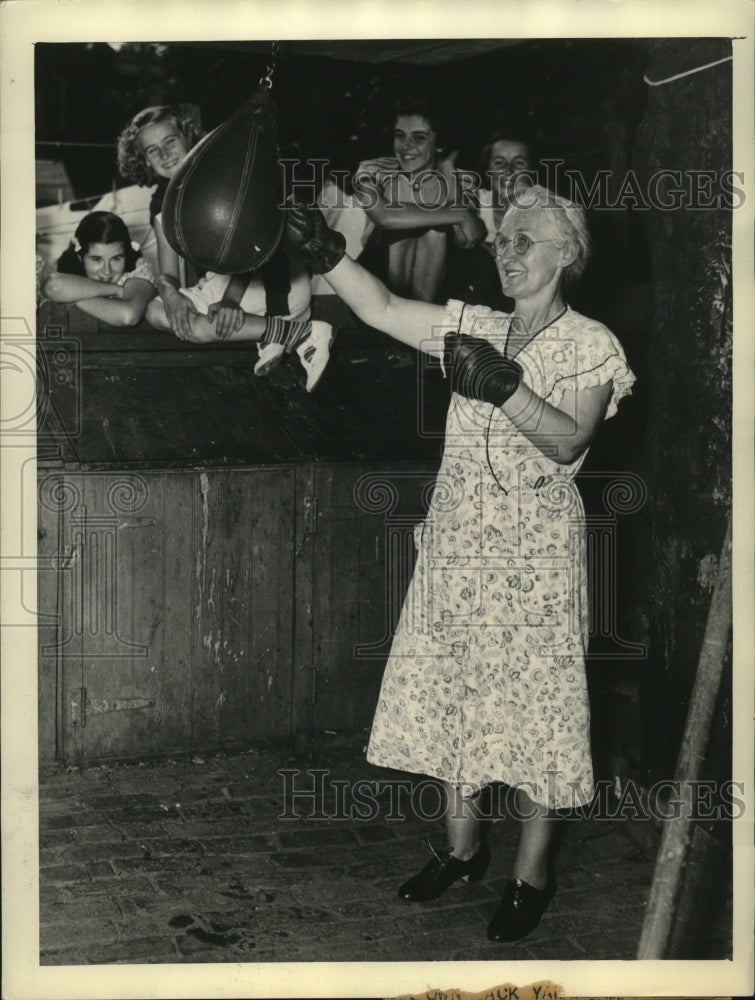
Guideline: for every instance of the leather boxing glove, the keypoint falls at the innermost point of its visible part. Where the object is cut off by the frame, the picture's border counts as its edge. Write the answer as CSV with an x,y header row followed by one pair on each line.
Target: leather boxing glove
x,y
310,239
478,370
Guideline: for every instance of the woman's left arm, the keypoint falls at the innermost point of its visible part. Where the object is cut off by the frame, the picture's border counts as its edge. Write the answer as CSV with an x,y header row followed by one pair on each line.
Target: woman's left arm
x,y
126,311
561,432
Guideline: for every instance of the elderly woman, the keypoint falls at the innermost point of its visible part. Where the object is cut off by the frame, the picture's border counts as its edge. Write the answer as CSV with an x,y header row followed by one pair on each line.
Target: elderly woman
x,y
485,682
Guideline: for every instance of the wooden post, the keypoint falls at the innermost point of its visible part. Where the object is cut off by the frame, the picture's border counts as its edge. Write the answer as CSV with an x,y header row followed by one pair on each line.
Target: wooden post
x,y
672,853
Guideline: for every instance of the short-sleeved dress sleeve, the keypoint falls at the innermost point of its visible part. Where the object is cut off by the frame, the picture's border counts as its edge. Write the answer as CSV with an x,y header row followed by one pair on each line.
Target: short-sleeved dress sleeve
x,y
595,357
574,353
43,269
141,270
475,321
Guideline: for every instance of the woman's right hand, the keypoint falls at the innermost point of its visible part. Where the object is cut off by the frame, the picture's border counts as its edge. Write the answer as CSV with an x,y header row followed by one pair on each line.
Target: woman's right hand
x,y
179,310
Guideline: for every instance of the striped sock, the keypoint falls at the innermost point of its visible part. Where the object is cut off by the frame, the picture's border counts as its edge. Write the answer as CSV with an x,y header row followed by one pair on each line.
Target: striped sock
x,y
287,332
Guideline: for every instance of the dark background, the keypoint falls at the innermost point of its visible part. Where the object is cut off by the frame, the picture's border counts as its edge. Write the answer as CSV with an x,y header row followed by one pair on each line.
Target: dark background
x,y
565,96
560,94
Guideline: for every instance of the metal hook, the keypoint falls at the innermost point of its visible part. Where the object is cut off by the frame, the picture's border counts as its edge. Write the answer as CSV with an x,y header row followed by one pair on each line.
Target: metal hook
x,y
267,79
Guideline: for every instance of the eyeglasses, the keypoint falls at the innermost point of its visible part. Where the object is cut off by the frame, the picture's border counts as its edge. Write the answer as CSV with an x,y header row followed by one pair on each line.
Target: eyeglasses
x,y
521,244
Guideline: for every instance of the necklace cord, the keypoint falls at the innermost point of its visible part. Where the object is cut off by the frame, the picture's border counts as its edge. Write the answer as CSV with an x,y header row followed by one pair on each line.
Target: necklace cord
x,y
493,408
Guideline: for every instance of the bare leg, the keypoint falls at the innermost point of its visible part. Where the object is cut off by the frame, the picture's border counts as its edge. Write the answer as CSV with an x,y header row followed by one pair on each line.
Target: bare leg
x,y
462,823
155,315
537,830
313,350
429,266
417,265
203,330
401,264
527,894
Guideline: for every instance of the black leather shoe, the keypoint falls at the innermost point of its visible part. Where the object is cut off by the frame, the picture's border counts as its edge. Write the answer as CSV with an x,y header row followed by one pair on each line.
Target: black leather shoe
x,y
520,910
443,870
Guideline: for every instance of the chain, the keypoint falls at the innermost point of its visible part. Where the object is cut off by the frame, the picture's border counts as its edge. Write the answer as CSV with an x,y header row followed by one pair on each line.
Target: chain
x,y
267,79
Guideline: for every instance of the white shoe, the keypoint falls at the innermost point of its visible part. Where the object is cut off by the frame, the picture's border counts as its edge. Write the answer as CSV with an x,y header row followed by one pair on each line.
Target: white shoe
x,y
314,352
270,355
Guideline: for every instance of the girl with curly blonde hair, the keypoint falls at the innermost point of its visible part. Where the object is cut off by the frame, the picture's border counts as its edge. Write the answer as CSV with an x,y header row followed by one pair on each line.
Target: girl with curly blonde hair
x,y
271,306
132,163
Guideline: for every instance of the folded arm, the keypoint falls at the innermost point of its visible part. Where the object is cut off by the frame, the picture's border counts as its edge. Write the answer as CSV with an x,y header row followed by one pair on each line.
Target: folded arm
x,y
77,287
408,209
126,311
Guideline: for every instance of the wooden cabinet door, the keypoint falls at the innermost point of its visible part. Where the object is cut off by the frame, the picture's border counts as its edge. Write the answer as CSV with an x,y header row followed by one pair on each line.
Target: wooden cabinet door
x,y
173,593
104,651
363,560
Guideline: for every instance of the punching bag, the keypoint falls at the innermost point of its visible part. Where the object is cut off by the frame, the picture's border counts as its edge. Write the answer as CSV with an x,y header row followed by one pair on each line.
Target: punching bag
x,y
221,209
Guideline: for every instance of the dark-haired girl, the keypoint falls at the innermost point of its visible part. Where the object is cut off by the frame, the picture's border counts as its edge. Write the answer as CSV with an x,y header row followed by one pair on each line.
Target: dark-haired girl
x,y
103,272
411,199
506,164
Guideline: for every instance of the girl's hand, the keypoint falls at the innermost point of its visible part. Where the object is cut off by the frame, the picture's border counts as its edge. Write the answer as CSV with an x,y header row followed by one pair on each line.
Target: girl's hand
x,y
469,231
379,165
229,316
179,311
377,170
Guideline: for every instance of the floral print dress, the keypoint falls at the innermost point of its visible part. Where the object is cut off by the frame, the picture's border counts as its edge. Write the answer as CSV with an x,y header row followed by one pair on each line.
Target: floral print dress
x,y
486,680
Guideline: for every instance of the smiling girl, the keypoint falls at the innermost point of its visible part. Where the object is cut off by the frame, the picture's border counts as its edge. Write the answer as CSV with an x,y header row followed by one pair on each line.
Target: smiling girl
x,y
506,163
410,198
270,306
103,273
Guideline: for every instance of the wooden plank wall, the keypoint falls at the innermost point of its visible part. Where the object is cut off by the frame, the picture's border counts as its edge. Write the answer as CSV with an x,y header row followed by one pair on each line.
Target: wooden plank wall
x,y
180,592
247,604
363,563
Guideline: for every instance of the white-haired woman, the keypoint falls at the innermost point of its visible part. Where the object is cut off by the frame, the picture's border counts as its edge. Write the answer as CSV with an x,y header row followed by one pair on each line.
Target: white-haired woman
x,y
485,682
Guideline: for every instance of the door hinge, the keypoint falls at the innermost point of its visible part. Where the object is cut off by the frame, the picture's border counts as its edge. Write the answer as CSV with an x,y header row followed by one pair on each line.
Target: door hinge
x,y
310,514
309,522
83,706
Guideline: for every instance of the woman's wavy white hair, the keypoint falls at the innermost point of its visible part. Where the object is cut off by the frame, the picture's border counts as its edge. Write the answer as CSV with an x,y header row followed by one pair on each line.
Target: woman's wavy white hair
x,y
568,217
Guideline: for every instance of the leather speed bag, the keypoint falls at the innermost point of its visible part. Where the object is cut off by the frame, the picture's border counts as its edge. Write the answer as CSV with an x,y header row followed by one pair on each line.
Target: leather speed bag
x,y
221,208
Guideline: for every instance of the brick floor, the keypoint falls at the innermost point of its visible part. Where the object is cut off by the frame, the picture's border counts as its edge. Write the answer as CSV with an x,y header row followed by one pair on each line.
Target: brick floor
x,y
189,860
